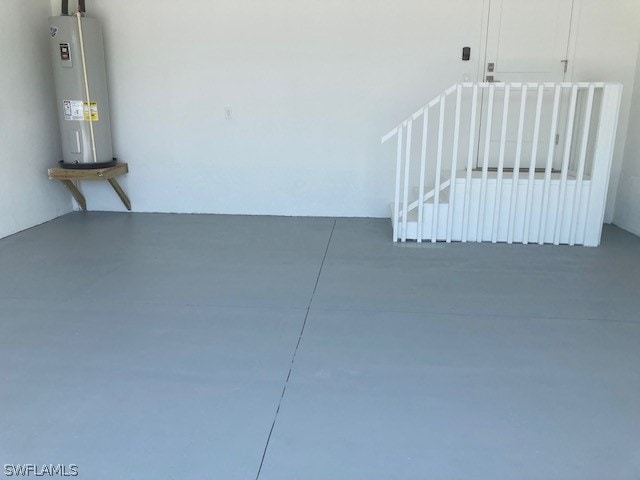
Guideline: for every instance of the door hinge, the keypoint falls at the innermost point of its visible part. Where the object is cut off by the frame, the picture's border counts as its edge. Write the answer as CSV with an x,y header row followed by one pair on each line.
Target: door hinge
x,y
557,139
566,65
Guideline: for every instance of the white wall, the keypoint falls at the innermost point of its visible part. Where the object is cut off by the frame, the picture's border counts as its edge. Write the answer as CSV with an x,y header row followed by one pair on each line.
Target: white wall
x,y
627,213
29,138
313,84
606,47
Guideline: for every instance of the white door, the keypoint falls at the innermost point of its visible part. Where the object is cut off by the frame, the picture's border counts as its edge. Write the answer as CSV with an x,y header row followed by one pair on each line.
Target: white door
x,y
527,41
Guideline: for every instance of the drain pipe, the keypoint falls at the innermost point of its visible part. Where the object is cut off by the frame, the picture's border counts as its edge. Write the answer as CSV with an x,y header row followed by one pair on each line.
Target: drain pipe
x,y
86,80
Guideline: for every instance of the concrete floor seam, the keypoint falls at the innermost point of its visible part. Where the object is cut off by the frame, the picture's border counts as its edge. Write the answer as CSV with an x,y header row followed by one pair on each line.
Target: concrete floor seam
x,y
295,351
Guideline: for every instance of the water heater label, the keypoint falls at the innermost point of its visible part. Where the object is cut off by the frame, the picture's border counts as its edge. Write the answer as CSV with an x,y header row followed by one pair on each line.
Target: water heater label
x,y
94,112
77,110
73,109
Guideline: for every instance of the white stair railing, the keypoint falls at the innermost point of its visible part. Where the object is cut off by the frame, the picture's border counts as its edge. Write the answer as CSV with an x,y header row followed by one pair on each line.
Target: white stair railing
x,y
549,205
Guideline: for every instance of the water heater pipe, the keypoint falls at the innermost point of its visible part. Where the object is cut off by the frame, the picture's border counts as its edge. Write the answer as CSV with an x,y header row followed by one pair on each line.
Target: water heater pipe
x,y
86,86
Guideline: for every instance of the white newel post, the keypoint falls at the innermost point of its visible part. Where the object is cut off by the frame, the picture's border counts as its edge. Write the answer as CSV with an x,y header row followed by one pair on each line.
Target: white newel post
x,y
601,171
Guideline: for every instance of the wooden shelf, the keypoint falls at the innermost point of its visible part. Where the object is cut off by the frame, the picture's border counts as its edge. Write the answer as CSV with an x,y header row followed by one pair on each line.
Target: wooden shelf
x,y
68,175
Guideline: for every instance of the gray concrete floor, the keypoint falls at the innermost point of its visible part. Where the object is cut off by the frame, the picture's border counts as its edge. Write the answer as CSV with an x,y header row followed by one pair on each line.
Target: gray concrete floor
x,y
144,346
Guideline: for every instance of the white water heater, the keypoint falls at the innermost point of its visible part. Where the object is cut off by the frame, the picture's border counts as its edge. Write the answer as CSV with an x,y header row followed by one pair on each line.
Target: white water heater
x,y
80,78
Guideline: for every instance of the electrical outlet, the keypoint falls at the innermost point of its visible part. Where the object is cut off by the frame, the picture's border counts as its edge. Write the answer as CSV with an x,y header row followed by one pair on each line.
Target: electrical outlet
x,y
228,114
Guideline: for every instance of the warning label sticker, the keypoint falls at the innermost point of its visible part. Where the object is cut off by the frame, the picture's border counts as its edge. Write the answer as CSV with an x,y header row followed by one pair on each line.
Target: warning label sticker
x,y
73,109
77,110
94,112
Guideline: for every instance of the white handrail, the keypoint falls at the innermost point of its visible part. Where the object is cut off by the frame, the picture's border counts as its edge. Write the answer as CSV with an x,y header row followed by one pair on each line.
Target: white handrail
x,y
420,112
497,85
553,209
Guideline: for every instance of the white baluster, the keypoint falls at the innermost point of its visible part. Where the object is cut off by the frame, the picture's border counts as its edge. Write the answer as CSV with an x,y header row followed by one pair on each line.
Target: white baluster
x,y
436,192
423,166
396,200
407,172
564,170
582,160
470,157
485,166
503,141
532,166
454,164
546,193
513,199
